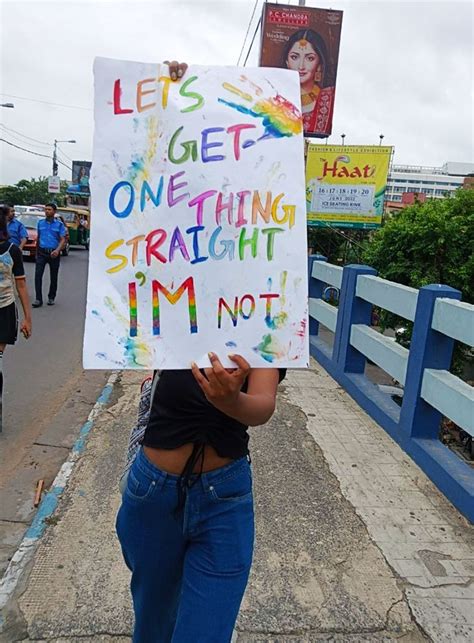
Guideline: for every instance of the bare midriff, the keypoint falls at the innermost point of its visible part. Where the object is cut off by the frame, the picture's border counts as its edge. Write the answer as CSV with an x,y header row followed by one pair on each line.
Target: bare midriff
x,y
174,460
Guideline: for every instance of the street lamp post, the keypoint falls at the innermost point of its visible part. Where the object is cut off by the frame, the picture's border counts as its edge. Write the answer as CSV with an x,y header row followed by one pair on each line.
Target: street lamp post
x,y
381,137
55,158
343,136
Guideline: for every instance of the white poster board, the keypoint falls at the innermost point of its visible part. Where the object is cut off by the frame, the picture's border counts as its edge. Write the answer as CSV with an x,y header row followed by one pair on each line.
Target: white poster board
x,y
198,225
54,184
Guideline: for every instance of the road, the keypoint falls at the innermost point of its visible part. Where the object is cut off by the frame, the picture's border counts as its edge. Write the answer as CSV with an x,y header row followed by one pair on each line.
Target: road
x,y
47,398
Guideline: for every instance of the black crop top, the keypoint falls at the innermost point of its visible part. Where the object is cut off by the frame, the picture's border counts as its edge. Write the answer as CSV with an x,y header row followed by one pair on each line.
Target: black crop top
x,y
180,413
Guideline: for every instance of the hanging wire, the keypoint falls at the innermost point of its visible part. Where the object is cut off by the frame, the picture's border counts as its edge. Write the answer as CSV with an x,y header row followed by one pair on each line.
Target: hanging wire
x,y
60,149
247,33
24,149
253,40
46,102
10,129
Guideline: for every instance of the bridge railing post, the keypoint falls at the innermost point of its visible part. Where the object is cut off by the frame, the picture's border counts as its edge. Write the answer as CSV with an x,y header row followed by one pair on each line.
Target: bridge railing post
x,y
352,310
428,349
315,290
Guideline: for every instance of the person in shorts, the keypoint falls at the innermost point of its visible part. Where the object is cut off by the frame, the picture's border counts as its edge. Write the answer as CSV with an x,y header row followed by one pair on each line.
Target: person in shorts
x,y
12,277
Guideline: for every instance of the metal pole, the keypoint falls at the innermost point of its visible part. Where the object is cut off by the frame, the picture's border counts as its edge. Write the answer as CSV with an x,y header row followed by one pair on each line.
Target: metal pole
x,y
55,160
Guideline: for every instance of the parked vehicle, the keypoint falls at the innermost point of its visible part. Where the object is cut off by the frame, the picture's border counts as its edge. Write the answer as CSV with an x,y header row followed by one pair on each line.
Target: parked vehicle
x,y
77,222
65,250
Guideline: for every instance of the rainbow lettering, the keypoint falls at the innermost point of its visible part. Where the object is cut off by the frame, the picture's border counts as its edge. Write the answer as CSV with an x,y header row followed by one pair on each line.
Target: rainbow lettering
x,y
173,297
132,301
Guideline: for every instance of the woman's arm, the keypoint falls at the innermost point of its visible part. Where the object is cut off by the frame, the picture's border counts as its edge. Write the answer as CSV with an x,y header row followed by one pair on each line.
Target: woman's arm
x,y
25,326
223,389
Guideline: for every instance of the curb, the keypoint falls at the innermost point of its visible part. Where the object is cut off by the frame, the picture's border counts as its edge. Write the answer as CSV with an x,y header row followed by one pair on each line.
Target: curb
x,y
48,505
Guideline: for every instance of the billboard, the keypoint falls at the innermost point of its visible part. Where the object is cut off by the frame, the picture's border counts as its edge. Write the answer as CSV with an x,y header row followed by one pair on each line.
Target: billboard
x,y
305,40
80,178
345,185
54,184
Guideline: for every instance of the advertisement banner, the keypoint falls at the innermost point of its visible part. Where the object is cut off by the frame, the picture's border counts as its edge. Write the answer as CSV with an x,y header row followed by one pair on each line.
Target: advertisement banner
x,y
80,178
54,184
345,185
305,40
198,227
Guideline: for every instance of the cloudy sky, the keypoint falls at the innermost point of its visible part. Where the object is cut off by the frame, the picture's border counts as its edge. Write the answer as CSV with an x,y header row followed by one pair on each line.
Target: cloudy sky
x,y
405,70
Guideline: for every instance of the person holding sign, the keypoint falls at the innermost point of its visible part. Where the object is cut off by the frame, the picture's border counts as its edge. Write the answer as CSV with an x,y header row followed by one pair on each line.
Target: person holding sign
x,y
186,522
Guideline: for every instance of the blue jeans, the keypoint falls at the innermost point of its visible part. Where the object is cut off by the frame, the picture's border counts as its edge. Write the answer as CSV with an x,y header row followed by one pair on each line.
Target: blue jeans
x,y
189,568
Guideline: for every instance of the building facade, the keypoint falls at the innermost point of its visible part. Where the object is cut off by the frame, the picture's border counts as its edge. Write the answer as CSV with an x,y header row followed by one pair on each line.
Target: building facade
x,y
434,182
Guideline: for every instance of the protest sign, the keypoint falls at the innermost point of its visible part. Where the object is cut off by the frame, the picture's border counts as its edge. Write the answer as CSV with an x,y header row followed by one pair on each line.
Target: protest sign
x,y
198,226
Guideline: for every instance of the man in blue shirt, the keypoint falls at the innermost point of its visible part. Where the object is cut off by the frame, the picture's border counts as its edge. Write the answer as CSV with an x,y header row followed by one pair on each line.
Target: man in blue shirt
x,y
17,233
51,239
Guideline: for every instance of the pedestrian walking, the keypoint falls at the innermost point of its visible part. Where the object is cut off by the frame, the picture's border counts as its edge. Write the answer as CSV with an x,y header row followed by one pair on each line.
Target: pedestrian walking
x,y
12,275
16,230
51,239
186,522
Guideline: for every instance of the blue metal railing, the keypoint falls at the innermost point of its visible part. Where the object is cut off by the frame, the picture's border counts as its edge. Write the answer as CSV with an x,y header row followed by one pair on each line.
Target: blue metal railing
x,y
430,390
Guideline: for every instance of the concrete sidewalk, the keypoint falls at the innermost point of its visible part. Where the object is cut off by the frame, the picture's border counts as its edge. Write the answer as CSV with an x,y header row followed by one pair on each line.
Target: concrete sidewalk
x,y
353,541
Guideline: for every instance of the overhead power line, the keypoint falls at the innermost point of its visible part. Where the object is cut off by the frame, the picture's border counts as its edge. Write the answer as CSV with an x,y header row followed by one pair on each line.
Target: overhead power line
x,y
46,102
46,156
21,141
247,33
253,39
60,149
10,129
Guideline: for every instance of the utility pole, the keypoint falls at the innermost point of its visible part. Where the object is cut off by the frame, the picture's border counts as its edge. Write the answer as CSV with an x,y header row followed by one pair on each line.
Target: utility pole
x,y
55,156
55,161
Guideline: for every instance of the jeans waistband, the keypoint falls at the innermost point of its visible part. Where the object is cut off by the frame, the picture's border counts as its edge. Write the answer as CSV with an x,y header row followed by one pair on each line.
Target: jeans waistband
x,y
216,475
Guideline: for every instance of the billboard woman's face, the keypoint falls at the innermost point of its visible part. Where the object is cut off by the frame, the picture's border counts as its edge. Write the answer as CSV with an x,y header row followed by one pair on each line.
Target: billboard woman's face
x,y
303,59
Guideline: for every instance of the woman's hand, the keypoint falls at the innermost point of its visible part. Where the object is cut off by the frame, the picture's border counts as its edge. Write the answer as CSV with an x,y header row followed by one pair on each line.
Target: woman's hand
x,y
221,386
25,328
176,69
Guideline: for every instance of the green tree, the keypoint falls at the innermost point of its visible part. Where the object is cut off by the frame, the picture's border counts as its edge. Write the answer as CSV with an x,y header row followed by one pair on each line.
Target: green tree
x,y
428,243
31,192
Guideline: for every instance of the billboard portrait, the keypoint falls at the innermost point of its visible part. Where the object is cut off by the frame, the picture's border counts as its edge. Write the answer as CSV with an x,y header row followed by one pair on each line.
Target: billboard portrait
x,y
80,178
305,40
345,185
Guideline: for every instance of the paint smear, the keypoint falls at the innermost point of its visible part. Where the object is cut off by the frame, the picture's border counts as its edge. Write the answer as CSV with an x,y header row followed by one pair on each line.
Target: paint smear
x,y
280,117
235,90
281,319
140,168
136,351
270,348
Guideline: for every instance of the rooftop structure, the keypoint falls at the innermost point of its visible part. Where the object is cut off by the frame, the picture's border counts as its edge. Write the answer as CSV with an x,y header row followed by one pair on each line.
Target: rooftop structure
x,y
434,182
